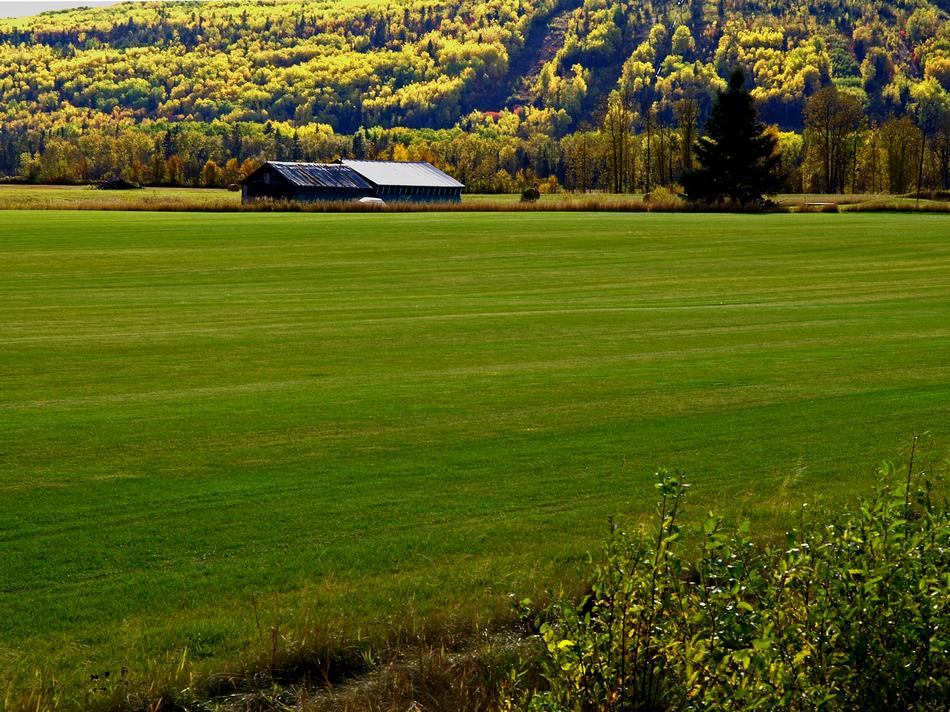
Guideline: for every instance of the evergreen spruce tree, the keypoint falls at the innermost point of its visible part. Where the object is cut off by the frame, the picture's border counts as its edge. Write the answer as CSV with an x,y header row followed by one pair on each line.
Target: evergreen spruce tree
x,y
738,159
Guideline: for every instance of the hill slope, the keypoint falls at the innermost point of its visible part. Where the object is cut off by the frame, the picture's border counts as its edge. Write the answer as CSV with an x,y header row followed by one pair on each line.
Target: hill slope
x,y
426,63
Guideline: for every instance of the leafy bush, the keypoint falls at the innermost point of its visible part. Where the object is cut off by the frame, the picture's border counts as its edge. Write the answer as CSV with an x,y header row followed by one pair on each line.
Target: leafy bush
x,y
853,613
663,195
530,195
118,184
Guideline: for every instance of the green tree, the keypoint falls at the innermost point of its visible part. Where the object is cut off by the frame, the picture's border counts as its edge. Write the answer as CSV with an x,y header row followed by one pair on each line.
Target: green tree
x,y
738,157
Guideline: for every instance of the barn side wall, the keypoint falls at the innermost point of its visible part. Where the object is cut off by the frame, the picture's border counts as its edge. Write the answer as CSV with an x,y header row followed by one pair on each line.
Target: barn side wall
x,y
260,191
416,194
330,195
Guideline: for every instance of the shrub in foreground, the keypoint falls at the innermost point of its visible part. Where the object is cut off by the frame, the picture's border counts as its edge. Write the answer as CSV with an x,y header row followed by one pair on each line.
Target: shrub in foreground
x,y
852,613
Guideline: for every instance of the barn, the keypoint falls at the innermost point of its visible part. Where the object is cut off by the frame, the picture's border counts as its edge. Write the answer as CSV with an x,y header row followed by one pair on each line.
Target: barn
x,y
306,182
391,181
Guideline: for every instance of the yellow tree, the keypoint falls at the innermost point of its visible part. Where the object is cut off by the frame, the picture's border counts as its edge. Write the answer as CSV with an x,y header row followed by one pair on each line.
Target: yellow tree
x,y
211,174
618,122
832,121
901,142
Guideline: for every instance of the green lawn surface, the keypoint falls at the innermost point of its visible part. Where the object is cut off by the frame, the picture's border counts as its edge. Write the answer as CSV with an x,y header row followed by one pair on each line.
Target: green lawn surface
x,y
211,421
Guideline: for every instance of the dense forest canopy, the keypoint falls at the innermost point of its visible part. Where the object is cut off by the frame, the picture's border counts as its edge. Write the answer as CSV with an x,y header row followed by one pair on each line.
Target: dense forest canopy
x,y
529,82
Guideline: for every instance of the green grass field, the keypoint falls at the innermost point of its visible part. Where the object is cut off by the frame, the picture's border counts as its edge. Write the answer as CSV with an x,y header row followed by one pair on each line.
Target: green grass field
x,y
210,421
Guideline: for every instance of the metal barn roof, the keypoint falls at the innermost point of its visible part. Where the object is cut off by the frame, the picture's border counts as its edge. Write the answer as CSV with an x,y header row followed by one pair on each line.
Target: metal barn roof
x,y
320,175
403,173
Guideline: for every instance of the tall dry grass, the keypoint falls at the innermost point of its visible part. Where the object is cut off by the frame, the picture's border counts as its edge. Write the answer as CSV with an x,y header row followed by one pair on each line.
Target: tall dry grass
x,y
572,204
659,201
352,207
433,663
904,205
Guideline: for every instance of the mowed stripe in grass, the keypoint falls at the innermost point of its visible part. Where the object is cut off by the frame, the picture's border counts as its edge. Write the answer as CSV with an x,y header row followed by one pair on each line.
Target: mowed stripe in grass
x,y
348,416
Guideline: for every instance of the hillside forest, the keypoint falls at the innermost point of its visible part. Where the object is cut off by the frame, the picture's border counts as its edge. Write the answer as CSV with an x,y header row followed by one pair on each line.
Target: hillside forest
x,y
566,94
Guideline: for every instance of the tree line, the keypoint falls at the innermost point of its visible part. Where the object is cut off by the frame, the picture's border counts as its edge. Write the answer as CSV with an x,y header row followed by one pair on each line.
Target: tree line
x,y
634,149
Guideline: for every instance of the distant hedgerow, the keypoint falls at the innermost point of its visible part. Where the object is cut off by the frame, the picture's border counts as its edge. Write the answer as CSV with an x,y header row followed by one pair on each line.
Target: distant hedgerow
x,y
853,613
